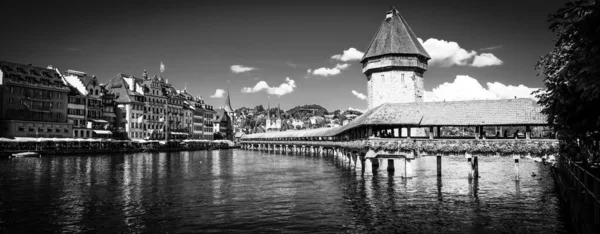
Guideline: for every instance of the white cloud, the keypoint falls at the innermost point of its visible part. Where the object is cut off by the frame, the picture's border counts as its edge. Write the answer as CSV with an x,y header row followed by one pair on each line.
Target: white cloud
x,y
349,55
219,93
287,87
486,59
241,68
359,95
361,110
468,88
449,53
324,71
492,47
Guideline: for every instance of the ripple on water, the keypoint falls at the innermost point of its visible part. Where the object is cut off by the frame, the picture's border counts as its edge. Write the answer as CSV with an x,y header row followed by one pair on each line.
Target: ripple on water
x,y
235,191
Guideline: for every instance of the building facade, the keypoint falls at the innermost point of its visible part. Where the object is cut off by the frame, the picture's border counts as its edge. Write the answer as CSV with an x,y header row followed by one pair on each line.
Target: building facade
x,y
223,124
86,106
34,102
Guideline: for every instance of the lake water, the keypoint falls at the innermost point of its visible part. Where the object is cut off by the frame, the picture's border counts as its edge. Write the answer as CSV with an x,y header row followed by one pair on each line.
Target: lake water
x,y
249,191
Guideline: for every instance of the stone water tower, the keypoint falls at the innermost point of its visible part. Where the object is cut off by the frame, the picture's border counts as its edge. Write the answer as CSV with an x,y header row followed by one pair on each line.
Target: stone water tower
x,y
394,63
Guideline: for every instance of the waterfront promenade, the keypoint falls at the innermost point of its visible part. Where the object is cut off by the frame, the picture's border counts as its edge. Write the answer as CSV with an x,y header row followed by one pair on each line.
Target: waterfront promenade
x,y
57,146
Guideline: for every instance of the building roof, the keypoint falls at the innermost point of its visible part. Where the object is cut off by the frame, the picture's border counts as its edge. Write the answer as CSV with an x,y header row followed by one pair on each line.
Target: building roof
x,y
227,106
394,37
119,87
522,111
22,71
221,115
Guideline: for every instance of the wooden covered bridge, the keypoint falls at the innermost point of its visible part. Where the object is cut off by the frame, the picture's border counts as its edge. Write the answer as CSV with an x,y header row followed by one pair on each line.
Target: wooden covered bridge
x,y
390,136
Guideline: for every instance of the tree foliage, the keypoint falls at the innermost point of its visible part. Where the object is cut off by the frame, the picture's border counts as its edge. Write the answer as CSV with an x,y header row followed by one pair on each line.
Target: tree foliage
x,y
571,99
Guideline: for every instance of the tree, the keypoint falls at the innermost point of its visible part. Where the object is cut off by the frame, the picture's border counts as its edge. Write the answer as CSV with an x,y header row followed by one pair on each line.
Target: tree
x,y
259,108
571,99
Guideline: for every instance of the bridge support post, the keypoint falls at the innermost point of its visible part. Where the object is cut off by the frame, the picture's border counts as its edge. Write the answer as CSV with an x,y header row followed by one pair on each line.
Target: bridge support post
x,y
359,162
439,165
398,164
383,164
469,161
517,176
475,167
408,172
350,159
368,166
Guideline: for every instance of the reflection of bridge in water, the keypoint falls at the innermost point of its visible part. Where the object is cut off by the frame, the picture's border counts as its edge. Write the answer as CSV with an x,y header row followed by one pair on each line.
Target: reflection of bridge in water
x,y
368,157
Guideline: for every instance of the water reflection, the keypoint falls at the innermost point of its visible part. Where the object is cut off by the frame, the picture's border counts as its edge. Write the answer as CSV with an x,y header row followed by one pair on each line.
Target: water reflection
x,y
232,191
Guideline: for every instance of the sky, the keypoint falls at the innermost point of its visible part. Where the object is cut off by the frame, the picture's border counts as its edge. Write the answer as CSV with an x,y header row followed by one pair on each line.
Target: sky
x,y
287,52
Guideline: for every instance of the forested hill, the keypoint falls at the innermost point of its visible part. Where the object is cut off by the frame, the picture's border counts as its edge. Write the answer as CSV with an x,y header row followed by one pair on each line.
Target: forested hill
x,y
299,112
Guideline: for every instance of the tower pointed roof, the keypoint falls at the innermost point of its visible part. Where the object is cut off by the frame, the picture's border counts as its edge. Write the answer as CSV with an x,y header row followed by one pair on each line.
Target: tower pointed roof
x,y
394,37
227,106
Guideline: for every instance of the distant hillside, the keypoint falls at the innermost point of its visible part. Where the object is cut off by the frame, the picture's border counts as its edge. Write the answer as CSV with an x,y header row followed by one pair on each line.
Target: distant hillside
x,y
298,113
306,111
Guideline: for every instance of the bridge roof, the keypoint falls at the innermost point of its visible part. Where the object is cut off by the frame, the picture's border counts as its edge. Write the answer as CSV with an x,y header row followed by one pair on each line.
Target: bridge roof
x,y
522,111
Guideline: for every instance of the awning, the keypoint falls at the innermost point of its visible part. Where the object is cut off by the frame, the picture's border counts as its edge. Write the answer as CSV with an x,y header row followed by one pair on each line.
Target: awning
x,y
99,120
102,132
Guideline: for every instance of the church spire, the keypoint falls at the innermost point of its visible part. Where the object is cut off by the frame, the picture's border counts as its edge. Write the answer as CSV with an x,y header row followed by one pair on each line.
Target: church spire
x,y
278,111
227,106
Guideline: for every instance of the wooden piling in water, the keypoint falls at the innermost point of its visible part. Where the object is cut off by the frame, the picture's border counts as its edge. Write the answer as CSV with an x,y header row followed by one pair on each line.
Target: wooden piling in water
x,y
475,168
517,176
439,165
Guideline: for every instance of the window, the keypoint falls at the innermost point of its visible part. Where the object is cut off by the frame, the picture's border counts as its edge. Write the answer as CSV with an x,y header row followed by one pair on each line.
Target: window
x,y
402,77
66,130
31,129
10,101
21,129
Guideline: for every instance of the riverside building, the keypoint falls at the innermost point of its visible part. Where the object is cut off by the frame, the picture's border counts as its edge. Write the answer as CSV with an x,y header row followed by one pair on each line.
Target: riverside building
x,y
34,102
85,106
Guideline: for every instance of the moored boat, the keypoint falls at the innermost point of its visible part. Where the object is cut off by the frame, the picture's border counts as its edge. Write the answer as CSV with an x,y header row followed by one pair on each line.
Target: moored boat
x,y
25,154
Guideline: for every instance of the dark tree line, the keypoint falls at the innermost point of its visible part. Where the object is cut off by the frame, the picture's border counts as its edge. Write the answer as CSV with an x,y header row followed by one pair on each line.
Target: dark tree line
x,y
571,99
